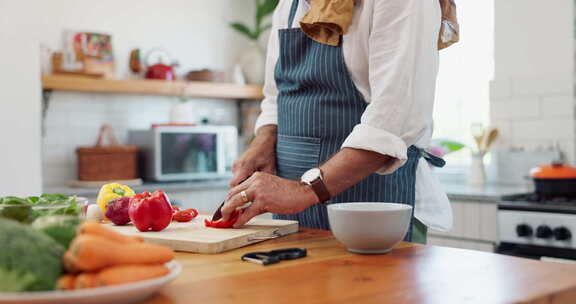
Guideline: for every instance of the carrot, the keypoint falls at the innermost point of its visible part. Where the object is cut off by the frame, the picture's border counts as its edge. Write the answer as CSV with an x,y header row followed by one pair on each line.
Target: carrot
x,y
92,253
123,274
66,282
97,229
68,262
86,280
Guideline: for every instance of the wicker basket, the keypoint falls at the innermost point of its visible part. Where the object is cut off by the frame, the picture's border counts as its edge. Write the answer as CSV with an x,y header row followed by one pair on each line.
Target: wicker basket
x,y
107,162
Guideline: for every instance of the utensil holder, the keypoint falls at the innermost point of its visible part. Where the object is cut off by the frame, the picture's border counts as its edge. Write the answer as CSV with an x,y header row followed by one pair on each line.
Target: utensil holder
x,y
477,172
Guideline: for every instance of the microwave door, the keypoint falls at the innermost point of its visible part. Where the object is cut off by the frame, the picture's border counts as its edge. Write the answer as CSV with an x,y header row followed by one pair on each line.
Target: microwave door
x,y
187,155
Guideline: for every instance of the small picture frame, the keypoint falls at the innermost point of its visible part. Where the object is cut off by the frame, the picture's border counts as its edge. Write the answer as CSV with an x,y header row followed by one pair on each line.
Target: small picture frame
x,y
89,53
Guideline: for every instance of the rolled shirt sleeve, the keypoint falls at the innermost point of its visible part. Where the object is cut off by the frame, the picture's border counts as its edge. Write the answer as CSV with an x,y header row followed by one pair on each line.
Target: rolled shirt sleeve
x,y
396,115
269,106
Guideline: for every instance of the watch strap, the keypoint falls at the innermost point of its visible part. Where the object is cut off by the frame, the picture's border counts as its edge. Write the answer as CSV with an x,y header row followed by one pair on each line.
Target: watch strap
x,y
320,189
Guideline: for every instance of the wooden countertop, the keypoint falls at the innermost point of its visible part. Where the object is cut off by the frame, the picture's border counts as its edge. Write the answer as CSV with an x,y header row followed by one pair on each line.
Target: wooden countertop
x,y
330,274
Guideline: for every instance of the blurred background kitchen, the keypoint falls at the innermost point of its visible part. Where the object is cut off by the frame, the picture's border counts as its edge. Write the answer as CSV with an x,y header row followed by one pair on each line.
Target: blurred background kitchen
x,y
505,105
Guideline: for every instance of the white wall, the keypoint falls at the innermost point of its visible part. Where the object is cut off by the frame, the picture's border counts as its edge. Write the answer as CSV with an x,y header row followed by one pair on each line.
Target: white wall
x,y
532,99
194,31
19,102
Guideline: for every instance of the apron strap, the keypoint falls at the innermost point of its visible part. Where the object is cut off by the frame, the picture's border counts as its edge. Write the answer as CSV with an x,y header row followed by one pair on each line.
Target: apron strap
x,y
432,159
293,11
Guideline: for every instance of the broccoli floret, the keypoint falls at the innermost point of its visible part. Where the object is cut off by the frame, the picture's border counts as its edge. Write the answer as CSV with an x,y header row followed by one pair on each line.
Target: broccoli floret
x,y
61,228
29,259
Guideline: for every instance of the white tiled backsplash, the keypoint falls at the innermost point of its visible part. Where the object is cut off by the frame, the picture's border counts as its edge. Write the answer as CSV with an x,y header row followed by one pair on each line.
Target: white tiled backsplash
x,y
533,115
74,119
532,95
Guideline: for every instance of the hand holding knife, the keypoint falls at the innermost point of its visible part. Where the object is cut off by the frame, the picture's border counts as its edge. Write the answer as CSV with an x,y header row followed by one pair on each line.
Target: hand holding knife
x,y
218,214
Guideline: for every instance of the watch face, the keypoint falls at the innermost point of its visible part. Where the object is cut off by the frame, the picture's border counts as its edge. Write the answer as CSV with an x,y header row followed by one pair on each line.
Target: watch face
x,y
311,175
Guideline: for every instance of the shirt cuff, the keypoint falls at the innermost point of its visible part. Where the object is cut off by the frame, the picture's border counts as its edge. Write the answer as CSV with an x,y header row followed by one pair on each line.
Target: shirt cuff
x,y
365,137
264,120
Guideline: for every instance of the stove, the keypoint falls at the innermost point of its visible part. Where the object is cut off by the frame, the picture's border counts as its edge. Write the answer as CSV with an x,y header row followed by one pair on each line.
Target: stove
x,y
533,226
538,203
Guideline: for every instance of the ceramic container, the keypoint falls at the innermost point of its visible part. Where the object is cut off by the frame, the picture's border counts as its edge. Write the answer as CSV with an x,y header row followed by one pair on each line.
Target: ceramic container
x,y
477,171
369,228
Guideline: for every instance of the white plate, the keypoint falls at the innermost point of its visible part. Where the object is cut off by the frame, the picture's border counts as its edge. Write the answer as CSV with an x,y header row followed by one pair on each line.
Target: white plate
x,y
121,294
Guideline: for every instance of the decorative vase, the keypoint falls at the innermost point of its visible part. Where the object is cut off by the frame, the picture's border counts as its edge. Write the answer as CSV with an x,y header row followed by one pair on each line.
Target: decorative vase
x,y
477,173
253,63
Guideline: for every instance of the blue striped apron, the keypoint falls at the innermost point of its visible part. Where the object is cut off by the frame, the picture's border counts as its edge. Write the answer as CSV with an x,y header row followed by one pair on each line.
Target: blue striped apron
x,y
318,106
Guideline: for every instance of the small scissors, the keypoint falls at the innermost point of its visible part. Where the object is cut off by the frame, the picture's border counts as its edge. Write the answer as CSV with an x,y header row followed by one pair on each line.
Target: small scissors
x,y
274,256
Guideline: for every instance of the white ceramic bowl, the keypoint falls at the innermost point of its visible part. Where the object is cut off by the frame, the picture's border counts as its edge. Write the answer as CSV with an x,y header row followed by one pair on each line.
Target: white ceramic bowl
x,y
369,228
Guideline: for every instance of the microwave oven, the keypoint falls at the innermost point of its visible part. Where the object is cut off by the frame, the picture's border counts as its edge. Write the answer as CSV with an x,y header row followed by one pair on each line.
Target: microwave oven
x,y
186,153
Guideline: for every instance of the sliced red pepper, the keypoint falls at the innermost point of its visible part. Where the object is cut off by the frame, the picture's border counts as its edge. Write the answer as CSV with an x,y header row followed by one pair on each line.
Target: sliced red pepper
x,y
184,216
193,211
175,209
224,224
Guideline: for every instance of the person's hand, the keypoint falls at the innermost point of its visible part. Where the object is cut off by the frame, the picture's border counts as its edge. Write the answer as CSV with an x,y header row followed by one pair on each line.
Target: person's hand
x,y
260,156
268,193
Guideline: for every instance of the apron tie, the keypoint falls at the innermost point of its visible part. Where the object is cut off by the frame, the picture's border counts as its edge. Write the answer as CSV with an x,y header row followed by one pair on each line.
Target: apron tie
x,y
432,159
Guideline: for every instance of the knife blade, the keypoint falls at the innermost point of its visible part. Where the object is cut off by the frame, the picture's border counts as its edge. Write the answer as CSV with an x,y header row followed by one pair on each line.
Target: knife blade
x,y
218,214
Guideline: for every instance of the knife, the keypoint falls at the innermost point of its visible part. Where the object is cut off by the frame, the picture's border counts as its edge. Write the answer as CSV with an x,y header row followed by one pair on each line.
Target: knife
x,y
218,214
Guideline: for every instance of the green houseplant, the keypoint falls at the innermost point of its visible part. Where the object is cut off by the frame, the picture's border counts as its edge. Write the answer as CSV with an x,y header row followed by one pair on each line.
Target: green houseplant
x,y
253,60
263,9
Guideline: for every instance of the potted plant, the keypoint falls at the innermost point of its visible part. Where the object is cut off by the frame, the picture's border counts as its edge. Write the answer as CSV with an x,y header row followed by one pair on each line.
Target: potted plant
x,y
254,60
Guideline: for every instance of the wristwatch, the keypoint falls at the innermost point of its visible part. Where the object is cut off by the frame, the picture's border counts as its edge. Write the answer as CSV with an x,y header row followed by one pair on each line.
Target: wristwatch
x,y
315,180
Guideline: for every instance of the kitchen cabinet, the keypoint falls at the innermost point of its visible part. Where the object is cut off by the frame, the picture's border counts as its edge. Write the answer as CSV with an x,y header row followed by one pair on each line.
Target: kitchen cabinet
x,y
475,227
463,244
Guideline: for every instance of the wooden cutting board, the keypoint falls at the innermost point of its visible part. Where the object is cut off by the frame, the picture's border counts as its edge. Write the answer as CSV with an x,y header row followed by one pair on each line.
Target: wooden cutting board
x,y
195,237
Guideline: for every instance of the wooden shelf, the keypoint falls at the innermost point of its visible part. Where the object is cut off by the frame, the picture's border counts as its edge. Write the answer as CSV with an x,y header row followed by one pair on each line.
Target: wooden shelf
x,y
151,87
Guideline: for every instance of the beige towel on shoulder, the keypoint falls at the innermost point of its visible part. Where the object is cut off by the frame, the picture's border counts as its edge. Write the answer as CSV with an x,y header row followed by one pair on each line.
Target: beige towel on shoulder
x,y
328,20
450,29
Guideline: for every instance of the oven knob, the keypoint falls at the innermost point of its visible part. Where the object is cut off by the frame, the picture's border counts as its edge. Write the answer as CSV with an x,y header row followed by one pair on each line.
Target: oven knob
x,y
524,230
562,234
543,232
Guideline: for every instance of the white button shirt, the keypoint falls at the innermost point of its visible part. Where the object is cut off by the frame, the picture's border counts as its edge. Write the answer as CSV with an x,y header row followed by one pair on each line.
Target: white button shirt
x,y
391,52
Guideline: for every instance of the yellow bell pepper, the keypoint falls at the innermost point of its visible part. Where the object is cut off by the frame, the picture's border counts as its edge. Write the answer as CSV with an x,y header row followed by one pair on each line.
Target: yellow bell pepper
x,y
112,191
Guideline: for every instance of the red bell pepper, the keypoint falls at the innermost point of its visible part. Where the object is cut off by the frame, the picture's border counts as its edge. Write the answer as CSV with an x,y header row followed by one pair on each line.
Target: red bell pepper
x,y
224,224
185,216
150,211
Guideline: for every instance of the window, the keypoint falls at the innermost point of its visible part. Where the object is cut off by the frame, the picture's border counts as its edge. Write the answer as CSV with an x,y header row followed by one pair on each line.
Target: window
x,y
466,68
